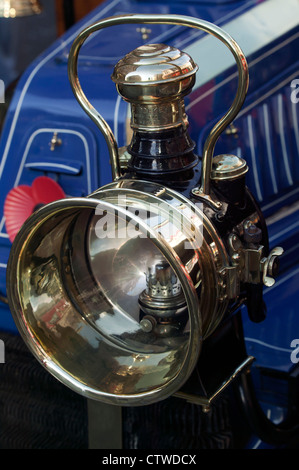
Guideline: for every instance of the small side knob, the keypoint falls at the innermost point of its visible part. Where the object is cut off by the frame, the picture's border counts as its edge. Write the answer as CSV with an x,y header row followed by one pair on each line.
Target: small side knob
x,y
271,266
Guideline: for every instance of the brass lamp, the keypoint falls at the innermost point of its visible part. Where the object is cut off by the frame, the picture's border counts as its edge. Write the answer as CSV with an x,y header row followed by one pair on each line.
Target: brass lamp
x,y
129,295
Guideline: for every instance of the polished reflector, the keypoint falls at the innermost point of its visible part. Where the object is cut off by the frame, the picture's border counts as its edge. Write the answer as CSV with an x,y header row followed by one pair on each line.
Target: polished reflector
x,y
103,298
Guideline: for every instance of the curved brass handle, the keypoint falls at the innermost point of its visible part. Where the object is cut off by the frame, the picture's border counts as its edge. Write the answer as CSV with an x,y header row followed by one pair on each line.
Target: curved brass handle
x,y
210,28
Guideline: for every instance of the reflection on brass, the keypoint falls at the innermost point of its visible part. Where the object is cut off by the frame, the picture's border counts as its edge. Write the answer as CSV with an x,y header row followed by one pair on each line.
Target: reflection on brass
x,y
228,167
154,79
204,255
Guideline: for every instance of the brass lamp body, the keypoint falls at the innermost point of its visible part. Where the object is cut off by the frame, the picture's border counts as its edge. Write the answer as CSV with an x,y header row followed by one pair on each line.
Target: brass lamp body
x,y
118,293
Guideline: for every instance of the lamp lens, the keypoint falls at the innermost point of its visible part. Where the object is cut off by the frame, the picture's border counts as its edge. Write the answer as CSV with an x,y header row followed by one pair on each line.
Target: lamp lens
x,y
103,302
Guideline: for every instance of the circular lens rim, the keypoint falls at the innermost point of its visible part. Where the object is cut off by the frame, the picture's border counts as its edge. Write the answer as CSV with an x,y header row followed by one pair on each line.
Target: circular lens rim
x,y
13,272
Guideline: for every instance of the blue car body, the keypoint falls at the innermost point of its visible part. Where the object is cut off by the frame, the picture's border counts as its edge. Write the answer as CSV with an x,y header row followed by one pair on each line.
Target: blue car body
x,y
266,134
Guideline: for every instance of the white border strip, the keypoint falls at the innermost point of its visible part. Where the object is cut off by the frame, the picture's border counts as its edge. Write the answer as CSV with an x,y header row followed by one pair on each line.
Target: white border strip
x,y
283,232
268,145
253,157
267,345
282,140
282,280
37,165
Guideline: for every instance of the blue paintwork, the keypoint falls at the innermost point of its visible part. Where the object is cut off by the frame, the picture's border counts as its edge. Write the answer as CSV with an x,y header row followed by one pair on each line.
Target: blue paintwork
x,y
267,138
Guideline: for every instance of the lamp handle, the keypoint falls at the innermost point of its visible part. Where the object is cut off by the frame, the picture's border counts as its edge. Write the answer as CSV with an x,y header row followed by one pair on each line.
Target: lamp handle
x,y
187,21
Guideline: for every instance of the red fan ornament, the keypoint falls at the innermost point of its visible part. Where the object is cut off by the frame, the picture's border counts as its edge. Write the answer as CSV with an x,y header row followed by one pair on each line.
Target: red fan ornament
x,y
23,200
